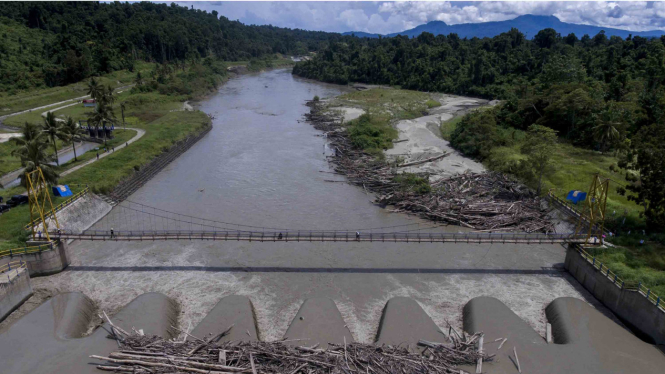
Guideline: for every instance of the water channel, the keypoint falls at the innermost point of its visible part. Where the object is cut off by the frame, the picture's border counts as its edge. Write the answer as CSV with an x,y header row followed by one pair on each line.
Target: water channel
x,y
262,165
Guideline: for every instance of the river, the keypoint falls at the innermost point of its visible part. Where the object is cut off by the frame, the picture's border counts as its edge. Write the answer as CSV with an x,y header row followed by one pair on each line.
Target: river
x,y
261,165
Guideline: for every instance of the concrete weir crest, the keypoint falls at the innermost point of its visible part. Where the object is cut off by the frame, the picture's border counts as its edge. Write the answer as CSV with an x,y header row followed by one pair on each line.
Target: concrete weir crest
x,y
50,339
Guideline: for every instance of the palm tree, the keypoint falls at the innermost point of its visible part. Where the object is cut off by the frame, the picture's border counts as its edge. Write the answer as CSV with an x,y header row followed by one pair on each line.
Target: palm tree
x,y
30,132
53,129
102,115
73,133
33,154
94,88
608,129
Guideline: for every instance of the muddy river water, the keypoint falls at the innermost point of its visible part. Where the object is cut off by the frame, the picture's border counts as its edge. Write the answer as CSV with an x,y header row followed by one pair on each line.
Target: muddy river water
x,y
261,165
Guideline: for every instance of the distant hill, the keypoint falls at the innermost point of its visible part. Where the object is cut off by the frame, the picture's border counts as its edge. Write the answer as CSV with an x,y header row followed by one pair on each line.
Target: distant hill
x,y
527,24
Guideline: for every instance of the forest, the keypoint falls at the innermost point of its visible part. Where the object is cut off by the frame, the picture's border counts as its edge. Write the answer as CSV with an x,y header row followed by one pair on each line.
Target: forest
x,y
58,43
599,93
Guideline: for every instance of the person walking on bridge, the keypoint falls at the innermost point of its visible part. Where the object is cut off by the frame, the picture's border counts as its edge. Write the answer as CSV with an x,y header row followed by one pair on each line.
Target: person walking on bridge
x,y
358,235
111,232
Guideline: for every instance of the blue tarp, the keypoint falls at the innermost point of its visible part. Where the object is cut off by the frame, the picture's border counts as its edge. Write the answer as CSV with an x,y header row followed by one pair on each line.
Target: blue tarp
x,y
62,191
576,196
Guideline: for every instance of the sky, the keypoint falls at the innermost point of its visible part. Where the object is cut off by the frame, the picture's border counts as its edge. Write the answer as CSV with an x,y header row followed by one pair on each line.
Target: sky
x,y
387,17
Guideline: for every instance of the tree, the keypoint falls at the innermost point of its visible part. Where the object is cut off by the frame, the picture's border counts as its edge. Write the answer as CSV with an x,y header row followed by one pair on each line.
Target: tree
x,y
53,130
538,147
122,112
607,131
103,112
94,88
32,150
647,157
73,133
138,80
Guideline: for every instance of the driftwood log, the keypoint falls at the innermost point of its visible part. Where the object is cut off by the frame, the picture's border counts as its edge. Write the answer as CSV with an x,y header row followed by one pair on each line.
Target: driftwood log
x,y
152,354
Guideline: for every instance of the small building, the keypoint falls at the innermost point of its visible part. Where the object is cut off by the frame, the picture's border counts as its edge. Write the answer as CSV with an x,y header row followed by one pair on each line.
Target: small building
x,y
89,103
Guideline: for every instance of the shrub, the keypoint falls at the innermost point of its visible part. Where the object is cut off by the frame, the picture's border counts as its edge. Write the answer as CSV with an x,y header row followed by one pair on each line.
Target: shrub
x,y
476,134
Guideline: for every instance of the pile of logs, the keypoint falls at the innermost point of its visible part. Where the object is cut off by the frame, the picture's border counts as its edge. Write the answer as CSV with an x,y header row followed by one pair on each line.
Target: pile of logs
x,y
483,202
151,354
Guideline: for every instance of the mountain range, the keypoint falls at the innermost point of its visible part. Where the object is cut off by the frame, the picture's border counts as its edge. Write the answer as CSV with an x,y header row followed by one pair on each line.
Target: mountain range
x,y
527,24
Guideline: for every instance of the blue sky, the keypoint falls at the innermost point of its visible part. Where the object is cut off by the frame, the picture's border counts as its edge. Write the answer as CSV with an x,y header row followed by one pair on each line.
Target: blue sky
x,y
386,17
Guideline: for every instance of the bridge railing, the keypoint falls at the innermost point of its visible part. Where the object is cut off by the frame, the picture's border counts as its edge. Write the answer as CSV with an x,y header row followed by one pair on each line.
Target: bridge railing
x,y
60,207
618,281
25,250
11,270
323,235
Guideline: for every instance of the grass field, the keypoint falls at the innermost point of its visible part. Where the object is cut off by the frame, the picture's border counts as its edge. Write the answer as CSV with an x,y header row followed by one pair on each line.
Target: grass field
x,y
393,103
23,100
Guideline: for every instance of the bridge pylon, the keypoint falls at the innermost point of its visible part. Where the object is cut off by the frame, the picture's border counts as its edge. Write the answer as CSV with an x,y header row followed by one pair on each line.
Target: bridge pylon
x,y
593,212
39,198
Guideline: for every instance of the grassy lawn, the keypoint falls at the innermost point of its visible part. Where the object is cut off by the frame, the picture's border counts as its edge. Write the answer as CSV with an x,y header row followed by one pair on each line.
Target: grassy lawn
x,y
635,262
22,100
8,163
119,137
573,170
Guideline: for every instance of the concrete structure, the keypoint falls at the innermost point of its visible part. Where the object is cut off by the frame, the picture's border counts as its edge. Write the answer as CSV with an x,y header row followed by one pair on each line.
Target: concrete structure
x,y
13,291
632,307
585,341
47,262
404,323
318,322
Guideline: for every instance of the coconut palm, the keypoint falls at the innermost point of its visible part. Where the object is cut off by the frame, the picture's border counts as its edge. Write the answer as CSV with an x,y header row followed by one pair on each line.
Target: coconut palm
x,y
73,133
102,115
53,129
32,151
29,132
94,88
607,131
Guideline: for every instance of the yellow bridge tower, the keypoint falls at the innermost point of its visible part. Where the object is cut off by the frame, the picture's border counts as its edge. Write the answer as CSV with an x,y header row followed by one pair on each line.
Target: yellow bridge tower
x,y
41,207
593,212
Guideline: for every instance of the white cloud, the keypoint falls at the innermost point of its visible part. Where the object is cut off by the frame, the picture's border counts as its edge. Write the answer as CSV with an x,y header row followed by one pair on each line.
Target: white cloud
x,y
387,17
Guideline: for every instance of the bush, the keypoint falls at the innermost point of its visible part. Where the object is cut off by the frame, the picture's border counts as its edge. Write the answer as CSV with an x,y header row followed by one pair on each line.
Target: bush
x,y
368,132
477,134
413,183
316,98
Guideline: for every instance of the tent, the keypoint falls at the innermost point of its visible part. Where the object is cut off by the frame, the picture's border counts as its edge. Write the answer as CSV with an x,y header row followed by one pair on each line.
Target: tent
x,y
576,196
62,191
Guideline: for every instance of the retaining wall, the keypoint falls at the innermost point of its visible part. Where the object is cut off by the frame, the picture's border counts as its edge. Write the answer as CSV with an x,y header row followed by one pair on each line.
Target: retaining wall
x,y
43,263
13,293
138,179
633,308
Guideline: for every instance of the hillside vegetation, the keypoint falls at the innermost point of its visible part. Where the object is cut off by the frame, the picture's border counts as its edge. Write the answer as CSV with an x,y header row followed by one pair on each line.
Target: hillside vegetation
x,y
48,44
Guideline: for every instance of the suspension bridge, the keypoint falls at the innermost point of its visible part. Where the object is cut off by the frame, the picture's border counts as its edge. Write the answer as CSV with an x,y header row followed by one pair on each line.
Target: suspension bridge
x,y
132,221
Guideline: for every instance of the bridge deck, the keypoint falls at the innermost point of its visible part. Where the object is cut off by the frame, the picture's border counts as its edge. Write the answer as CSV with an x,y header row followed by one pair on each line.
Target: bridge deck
x,y
324,236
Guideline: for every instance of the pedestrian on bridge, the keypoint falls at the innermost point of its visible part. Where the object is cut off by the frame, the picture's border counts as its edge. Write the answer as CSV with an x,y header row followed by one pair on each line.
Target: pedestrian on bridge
x,y
279,237
111,232
358,235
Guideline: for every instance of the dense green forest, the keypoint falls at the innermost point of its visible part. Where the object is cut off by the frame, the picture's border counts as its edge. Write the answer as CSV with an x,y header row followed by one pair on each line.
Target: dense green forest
x,y
57,43
604,94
